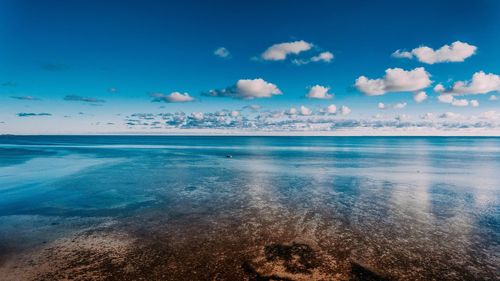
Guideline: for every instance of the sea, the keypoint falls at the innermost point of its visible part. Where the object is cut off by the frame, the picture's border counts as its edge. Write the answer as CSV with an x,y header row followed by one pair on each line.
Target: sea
x,y
249,208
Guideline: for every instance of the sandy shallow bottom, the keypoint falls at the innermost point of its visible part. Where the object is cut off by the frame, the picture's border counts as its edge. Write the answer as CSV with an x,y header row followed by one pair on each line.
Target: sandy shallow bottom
x,y
107,253
155,247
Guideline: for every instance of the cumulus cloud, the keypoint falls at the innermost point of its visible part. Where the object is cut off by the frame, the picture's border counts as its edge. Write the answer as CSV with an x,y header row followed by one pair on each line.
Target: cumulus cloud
x,y
324,56
331,109
292,111
222,52
491,114
428,116
395,80
402,117
481,83
280,51
399,105
457,52
493,98
319,92
274,121
304,111
197,115
419,96
24,98
450,99
344,110
460,102
172,97
247,89
112,90
450,115
84,99
445,98
381,105
30,114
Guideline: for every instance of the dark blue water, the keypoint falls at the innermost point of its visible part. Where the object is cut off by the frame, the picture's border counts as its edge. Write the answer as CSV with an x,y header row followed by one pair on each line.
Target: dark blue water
x,y
411,208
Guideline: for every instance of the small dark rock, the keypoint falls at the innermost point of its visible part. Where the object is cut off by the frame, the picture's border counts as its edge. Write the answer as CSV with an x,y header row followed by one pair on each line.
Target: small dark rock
x,y
362,272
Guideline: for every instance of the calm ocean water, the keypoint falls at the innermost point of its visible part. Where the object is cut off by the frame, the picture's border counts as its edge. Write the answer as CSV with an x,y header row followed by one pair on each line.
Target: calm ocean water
x,y
405,208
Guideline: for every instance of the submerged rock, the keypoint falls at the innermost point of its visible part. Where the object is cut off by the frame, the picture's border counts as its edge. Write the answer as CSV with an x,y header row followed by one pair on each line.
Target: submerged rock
x,y
363,272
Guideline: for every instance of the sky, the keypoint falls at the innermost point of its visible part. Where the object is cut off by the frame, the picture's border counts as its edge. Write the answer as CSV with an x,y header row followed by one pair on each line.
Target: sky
x,y
250,67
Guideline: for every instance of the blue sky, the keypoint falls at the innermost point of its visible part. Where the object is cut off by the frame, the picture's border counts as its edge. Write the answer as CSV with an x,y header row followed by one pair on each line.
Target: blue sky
x,y
65,57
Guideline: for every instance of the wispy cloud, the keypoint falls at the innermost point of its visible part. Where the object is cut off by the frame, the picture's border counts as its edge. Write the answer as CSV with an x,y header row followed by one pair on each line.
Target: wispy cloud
x,y
222,52
55,67
30,114
25,98
9,84
83,99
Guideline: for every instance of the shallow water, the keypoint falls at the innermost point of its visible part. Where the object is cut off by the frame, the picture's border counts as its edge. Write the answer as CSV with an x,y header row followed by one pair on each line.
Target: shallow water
x,y
282,208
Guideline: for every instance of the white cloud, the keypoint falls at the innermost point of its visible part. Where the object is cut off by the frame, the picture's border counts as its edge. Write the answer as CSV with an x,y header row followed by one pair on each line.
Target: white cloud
x,y
222,52
381,105
428,116
256,88
281,51
254,107
172,97
457,52
402,117
445,98
344,110
493,98
450,115
395,80
460,102
197,115
491,114
324,56
402,54
291,111
420,97
439,88
319,92
399,105
247,89
220,122
305,111
450,99
331,109
235,113
481,83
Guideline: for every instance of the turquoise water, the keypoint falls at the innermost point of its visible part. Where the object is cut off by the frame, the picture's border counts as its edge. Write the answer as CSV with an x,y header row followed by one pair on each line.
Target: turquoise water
x,y
410,207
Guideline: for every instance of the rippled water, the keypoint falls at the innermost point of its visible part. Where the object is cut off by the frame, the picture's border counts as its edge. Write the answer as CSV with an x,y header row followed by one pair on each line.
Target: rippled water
x,y
302,208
